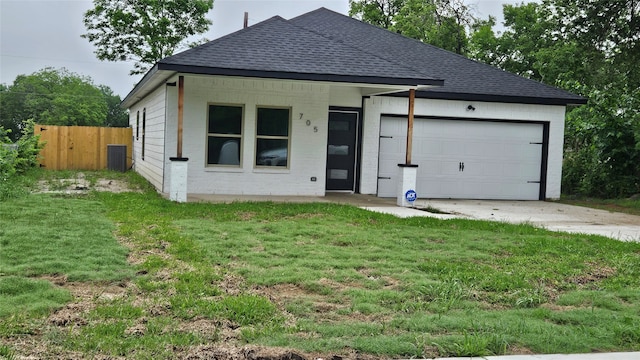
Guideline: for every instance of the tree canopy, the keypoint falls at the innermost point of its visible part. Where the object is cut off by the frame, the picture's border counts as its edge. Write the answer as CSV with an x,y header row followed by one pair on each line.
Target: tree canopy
x,y
58,97
144,31
441,23
590,47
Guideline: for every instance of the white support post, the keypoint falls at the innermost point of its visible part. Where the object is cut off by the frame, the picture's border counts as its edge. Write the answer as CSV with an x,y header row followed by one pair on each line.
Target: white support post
x,y
408,175
178,182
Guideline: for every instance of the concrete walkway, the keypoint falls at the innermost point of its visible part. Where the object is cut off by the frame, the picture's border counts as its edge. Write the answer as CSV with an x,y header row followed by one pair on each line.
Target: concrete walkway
x,y
599,356
549,215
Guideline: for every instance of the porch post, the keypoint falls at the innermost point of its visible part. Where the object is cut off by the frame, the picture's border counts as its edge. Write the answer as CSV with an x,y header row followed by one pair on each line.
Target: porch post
x,y
180,113
179,165
412,101
407,172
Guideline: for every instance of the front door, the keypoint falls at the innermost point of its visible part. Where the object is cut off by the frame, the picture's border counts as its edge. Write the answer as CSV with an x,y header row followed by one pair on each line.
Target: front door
x,y
341,150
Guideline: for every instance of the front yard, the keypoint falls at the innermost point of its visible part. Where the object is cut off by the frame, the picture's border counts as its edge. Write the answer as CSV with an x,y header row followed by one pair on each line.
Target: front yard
x,y
132,275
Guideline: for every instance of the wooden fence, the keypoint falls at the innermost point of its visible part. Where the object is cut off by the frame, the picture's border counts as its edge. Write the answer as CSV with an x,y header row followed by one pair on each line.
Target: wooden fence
x,y
80,147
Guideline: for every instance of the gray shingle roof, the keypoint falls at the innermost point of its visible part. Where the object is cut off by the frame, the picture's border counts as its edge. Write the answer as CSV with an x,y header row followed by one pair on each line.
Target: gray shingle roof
x,y
323,45
464,78
277,48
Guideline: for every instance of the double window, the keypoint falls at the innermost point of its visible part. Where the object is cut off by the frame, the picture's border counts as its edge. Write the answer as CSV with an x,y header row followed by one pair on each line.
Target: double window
x,y
224,135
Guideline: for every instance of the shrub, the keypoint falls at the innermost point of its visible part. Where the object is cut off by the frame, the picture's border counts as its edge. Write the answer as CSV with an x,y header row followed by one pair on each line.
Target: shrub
x,y
28,148
17,158
602,145
8,155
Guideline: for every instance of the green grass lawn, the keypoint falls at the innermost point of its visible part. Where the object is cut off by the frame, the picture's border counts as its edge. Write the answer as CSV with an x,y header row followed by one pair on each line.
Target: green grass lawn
x,y
629,206
317,278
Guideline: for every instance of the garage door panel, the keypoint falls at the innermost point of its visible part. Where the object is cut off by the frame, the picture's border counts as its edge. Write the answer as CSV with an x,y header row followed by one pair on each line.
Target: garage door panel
x,y
492,150
494,169
453,147
426,146
502,160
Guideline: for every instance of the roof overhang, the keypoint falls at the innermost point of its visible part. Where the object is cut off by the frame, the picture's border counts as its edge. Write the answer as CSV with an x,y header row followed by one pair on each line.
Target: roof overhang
x,y
151,81
202,70
426,94
371,85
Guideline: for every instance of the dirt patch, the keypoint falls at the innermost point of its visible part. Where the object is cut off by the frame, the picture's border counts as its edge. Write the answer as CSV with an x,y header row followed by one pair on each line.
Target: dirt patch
x,y
388,282
245,215
304,216
556,307
232,284
594,273
70,315
81,185
208,329
226,352
43,341
520,350
86,295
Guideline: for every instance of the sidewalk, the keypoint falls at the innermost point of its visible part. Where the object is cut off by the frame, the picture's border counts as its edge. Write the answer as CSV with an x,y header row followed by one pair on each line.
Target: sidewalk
x,y
598,356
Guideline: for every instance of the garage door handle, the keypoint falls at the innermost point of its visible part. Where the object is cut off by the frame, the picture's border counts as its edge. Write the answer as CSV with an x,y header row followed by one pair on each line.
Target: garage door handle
x,y
386,137
461,166
533,182
384,177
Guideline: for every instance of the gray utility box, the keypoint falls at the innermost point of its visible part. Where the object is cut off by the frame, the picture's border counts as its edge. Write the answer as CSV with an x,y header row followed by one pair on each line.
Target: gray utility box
x,y
117,157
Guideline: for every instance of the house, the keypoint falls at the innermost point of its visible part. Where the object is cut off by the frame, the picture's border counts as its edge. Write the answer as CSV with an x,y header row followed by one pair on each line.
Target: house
x,y
323,102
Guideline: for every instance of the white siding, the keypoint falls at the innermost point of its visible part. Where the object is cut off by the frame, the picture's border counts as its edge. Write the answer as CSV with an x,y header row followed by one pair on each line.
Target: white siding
x,y
345,96
152,166
376,106
307,158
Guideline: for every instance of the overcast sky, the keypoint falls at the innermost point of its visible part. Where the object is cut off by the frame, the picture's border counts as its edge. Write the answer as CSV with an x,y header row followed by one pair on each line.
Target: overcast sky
x,y
35,34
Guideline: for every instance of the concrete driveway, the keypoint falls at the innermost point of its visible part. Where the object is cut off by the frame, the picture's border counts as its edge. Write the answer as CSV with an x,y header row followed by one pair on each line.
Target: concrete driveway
x,y
549,215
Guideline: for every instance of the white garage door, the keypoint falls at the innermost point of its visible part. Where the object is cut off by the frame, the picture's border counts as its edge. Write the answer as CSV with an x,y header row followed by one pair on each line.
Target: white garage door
x,y
464,159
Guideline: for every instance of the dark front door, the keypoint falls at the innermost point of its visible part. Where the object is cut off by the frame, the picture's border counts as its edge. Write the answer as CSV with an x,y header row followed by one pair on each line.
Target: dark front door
x,y
341,150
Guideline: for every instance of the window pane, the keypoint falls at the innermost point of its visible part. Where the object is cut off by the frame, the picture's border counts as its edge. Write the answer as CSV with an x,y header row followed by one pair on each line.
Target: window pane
x,y
338,150
338,125
273,122
338,174
225,119
223,151
272,152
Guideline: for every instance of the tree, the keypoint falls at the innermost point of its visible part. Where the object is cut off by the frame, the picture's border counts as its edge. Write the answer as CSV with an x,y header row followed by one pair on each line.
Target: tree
x,y
567,43
602,144
610,29
380,13
145,31
116,115
442,23
58,97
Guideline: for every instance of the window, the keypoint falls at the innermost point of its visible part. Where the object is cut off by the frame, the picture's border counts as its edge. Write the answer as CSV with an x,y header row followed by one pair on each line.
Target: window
x,y
224,134
144,126
272,137
138,125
